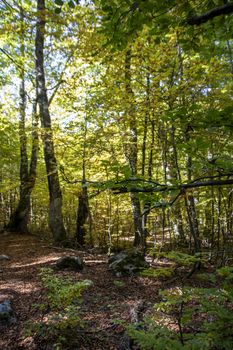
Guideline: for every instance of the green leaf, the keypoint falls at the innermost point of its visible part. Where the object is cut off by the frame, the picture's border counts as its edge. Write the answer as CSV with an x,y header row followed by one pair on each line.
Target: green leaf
x,y
59,2
57,10
71,4
119,283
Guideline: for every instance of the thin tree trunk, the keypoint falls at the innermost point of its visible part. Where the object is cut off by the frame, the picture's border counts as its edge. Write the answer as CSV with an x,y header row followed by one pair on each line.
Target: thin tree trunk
x,y
191,209
147,203
151,156
146,119
212,220
175,165
82,215
132,154
219,219
83,204
230,54
55,196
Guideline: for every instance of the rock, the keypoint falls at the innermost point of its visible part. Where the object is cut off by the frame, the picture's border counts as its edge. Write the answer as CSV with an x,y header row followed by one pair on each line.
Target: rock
x,y
6,313
70,262
4,257
127,263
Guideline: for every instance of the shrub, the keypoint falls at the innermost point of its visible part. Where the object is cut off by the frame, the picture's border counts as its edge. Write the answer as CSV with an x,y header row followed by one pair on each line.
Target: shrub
x,y
63,298
181,259
190,318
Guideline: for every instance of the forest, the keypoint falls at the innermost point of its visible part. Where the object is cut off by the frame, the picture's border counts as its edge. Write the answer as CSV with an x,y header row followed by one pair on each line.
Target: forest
x,y
116,174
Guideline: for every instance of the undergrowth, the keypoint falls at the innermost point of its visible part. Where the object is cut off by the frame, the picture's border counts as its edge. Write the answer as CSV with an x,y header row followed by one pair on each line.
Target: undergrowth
x,y
60,311
191,318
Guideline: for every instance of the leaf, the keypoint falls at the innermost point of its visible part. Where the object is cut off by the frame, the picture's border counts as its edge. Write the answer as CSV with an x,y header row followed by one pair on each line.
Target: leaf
x,y
57,10
59,2
119,283
71,4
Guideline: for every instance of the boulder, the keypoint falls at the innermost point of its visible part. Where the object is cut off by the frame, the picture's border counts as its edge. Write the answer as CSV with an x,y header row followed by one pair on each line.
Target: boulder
x,y
6,313
70,262
127,263
4,257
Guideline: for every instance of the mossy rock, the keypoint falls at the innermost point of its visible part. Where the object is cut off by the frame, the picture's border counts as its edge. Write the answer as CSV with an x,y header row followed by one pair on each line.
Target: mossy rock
x,y
70,262
6,313
127,262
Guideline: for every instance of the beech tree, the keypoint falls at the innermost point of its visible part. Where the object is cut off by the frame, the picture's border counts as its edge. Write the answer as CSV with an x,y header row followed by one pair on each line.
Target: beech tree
x,y
55,195
20,217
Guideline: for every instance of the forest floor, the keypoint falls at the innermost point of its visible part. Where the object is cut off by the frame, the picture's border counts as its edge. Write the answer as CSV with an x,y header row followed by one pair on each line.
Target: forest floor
x,y
104,303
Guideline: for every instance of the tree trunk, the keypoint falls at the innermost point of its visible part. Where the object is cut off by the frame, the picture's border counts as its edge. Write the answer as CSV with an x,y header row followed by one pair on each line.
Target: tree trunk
x,y
20,217
82,215
132,153
175,173
83,211
146,203
55,196
190,206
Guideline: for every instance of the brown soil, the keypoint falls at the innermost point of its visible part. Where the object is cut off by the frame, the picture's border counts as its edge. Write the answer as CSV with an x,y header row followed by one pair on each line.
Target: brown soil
x,y
104,303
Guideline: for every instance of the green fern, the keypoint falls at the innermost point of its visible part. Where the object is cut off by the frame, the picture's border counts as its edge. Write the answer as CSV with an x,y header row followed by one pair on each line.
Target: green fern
x,y
226,273
181,259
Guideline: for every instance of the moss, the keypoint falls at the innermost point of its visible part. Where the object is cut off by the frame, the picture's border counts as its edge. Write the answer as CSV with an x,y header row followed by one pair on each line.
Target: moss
x,y
163,272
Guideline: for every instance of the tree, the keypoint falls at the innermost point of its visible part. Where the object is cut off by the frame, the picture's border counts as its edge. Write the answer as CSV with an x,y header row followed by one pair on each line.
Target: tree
x,y
131,149
83,211
55,195
20,217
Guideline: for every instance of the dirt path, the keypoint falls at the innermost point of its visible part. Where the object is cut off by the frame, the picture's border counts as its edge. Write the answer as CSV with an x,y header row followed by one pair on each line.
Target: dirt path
x,y
103,304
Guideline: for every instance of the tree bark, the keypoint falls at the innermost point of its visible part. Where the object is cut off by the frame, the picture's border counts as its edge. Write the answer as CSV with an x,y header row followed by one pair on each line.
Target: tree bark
x,y
20,217
178,218
190,205
55,196
83,211
82,215
132,154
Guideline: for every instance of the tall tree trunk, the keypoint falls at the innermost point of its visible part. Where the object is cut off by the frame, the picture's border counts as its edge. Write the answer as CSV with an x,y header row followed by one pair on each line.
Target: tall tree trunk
x,y
146,203
190,205
55,196
178,219
146,119
20,217
193,222
83,211
152,143
132,153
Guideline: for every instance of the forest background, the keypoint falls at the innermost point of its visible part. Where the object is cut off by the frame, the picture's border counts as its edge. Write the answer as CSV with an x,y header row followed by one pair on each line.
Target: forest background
x,y
116,122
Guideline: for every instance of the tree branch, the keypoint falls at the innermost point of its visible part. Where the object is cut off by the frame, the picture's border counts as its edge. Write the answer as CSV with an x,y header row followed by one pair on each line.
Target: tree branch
x,y
215,12
122,186
168,188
